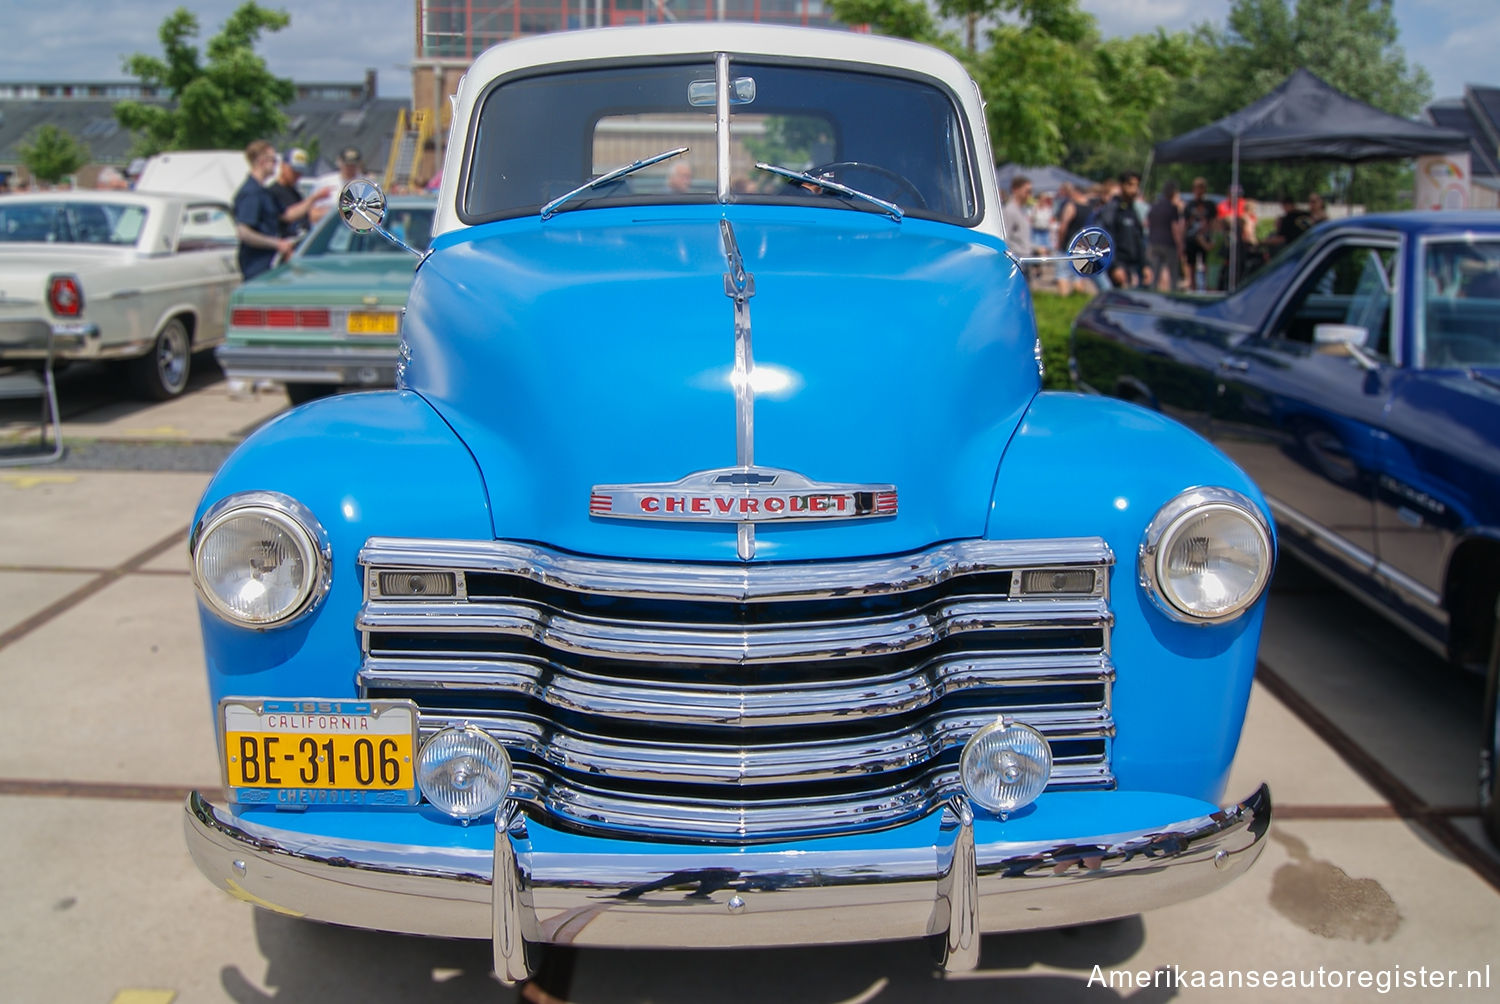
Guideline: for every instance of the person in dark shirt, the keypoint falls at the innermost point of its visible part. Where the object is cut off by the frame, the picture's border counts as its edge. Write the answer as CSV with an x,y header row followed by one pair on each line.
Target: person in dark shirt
x,y
257,218
1124,225
1164,238
1293,223
294,208
1198,232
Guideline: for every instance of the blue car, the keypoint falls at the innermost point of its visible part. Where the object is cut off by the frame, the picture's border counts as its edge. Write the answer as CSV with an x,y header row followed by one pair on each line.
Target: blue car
x,y
1357,379
718,573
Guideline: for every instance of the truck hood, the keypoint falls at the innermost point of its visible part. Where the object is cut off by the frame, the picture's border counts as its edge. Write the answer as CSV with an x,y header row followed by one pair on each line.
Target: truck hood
x,y
598,348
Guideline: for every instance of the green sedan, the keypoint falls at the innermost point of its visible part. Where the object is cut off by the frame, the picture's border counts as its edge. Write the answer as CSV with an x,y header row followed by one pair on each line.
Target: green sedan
x,y
329,319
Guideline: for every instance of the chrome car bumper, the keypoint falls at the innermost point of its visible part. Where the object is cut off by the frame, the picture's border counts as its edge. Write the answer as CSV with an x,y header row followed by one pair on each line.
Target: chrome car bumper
x,y
949,876
26,338
357,367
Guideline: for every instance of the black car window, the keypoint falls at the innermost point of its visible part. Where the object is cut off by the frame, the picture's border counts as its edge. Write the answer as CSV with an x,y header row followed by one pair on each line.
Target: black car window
x,y
1352,286
413,225
1459,316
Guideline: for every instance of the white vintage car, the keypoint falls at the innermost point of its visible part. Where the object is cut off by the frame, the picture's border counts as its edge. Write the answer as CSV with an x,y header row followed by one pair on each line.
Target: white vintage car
x,y
132,276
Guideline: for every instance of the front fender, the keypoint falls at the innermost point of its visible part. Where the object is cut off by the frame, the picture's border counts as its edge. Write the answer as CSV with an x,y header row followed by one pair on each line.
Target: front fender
x,y
1081,465
379,463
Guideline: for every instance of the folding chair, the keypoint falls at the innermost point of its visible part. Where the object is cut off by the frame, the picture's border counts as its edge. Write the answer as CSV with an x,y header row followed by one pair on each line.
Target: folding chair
x,y
24,383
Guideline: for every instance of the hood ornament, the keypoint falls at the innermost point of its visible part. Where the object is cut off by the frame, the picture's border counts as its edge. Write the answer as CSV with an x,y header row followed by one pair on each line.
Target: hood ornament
x,y
744,494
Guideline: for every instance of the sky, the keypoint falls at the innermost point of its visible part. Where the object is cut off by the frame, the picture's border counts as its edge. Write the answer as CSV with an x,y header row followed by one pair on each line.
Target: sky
x,y
336,40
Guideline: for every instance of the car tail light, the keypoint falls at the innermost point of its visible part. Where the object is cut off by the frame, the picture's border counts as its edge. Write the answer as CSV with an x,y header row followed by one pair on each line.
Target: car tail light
x,y
65,295
281,317
247,317
313,319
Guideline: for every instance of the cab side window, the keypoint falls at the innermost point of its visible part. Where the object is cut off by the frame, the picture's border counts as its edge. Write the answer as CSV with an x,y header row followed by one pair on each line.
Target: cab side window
x,y
1354,285
206,228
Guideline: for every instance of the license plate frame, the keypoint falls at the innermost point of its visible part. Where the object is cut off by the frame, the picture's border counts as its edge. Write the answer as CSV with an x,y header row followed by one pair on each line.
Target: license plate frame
x,y
374,323
350,739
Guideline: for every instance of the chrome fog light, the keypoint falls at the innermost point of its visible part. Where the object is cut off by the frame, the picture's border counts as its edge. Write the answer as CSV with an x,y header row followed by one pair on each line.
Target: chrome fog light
x,y
463,772
260,559
1005,765
1207,555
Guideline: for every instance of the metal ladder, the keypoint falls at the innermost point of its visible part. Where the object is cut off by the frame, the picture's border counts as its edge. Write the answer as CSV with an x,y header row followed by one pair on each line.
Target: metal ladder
x,y
412,133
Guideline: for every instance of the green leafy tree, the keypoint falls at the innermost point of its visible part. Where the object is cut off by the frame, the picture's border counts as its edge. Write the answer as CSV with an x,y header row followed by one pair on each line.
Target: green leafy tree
x,y
224,102
1056,92
52,155
1351,44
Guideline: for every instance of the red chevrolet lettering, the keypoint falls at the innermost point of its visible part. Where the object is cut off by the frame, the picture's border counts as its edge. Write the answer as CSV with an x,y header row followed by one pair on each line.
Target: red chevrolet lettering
x,y
676,503
699,504
650,504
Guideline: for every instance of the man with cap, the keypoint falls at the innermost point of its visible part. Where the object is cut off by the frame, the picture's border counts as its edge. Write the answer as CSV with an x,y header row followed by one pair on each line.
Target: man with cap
x,y
351,166
294,208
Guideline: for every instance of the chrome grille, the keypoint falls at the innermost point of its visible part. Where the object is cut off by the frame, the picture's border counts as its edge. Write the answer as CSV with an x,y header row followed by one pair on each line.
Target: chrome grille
x,y
744,703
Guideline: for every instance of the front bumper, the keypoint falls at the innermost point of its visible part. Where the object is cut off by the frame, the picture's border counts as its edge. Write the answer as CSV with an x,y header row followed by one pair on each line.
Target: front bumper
x,y
349,367
949,876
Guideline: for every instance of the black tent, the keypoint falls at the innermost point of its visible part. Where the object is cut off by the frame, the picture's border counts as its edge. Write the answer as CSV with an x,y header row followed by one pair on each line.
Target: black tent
x,y
1307,119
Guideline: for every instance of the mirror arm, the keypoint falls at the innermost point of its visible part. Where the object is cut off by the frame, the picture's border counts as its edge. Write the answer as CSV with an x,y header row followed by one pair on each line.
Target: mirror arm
x,y
1092,254
1362,356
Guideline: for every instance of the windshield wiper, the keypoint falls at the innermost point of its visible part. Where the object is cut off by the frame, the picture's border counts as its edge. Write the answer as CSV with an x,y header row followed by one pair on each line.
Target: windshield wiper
x,y
609,176
891,208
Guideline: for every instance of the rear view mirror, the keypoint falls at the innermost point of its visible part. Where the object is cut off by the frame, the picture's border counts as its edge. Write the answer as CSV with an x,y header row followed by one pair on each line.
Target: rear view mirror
x,y
704,93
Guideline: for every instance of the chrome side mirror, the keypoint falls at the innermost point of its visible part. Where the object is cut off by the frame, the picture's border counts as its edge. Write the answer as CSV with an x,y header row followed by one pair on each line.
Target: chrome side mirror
x,y
362,208
1091,251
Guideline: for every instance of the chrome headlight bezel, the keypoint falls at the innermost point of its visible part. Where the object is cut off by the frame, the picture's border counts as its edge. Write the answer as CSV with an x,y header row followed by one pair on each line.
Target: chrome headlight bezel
x,y
1160,535
300,525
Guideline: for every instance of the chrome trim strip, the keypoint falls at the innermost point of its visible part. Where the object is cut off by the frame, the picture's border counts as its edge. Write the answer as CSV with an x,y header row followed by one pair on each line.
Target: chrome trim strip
x,y
721,125
791,582
619,893
730,644
1356,556
689,702
1413,590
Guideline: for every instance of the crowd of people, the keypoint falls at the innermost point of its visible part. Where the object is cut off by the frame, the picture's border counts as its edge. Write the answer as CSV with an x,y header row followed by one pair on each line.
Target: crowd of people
x,y
1177,242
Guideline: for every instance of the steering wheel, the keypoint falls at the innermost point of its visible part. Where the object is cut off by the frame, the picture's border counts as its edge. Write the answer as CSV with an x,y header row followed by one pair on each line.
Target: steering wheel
x,y
835,172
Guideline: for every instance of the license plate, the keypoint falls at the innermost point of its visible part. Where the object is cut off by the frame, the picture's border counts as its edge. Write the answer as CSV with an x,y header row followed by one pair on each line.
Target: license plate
x,y
372,322
310,752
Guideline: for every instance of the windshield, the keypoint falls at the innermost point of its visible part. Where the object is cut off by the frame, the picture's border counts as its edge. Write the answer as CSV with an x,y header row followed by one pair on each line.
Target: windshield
x,y
892,137
413,224
62,222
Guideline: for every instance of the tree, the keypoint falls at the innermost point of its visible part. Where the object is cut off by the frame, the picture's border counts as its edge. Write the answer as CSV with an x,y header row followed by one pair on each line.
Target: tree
x,y
52,154
1352,44
1056,91
224,103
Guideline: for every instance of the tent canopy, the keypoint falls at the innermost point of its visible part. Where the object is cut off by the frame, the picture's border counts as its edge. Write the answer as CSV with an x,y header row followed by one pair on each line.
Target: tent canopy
x,y
1043,179
1306,119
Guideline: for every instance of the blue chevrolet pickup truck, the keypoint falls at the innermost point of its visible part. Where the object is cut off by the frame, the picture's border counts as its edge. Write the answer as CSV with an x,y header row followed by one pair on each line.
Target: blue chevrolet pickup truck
x,y
718,573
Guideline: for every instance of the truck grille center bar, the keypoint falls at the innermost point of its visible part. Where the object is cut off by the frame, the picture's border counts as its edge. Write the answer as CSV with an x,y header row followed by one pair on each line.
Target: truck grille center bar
x,y
744,703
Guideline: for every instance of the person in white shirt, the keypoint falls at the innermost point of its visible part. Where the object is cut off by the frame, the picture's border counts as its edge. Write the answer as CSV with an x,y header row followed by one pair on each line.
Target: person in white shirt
x,y
351,166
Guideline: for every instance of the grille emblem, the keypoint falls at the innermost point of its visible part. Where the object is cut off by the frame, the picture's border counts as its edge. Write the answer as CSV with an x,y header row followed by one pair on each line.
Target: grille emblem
x,y
742,495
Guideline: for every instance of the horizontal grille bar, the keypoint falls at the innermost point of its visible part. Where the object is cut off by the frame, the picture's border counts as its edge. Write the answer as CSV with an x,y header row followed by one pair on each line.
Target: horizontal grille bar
x,y
735,583
727,643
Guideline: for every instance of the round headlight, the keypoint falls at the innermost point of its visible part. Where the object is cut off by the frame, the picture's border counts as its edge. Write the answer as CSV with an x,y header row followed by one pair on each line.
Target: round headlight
x,y
1005,766
1207,555
259,559
463,772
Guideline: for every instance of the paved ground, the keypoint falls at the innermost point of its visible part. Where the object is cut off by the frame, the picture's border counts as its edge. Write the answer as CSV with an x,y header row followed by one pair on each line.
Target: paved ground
x,y
1375,862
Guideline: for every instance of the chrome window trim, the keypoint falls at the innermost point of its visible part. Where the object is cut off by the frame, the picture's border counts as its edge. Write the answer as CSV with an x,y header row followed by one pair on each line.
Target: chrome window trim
x,y
286,507
736,583
1419,295
1394,240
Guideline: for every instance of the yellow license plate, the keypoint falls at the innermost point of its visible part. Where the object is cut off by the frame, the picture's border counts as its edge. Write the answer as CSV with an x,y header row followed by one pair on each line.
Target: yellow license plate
x,y
311,751
373,322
